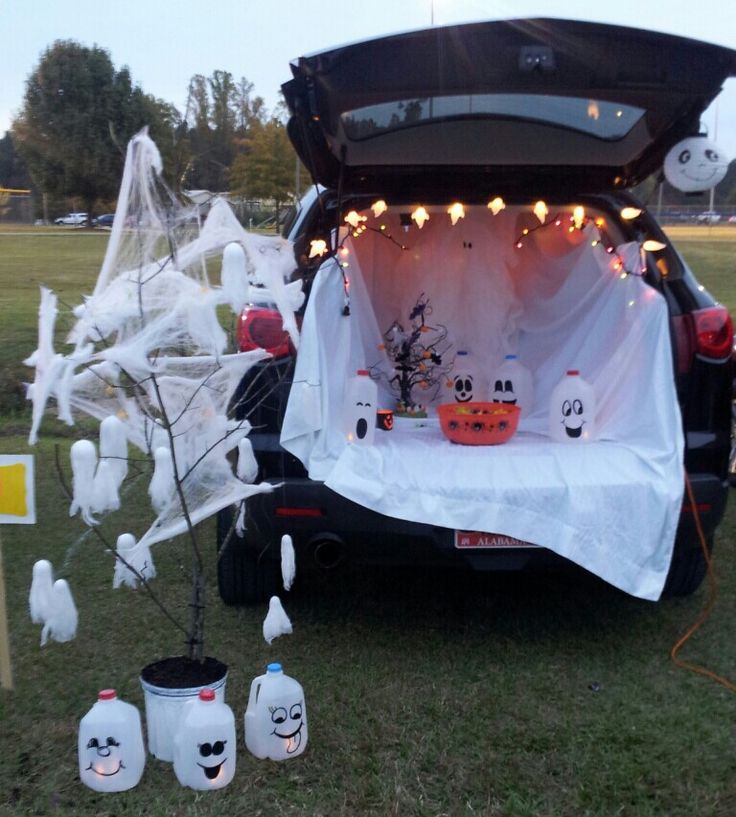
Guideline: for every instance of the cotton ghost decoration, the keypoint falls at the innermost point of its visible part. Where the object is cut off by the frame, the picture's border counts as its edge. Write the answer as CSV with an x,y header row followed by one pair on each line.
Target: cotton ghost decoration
x,y
105,489
695,164
84,464
61,624
137,557
247,464
234,278
288,562
162,484
39,598
114,447
276,622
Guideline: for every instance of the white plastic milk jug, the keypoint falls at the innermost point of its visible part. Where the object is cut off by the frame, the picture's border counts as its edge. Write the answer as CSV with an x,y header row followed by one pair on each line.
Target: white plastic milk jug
x,y
512,383
111,751
205,745
465,381
359,410
572,410
276,717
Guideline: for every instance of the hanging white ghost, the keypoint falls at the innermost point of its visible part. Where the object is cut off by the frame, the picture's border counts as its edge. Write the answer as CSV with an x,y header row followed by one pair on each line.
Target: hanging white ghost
x,y
61,624
39,598
695,164
84,464
105,489
288,562
137,556
162,486
234,277
110,745
114,447
276,622
205,745
247,464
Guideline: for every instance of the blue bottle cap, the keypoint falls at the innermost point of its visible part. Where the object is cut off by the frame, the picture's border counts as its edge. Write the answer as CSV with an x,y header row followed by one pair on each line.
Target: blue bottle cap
x,y
462,352
274,668
510,357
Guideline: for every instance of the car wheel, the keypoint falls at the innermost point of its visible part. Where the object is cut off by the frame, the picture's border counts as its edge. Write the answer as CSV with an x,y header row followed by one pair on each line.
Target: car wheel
x,y
244,575
687,571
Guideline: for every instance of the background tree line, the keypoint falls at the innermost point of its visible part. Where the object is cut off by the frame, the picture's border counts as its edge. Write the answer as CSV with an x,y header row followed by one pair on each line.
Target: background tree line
x,y
68,142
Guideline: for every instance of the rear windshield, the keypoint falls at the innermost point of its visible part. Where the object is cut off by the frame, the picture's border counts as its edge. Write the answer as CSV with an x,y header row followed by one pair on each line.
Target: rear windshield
x,y
605,120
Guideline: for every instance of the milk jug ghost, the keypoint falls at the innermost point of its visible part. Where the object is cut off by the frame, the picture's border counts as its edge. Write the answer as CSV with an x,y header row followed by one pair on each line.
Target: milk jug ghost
x,y
276,716
572,410
465,380
359,410
111,751
205,746
512,383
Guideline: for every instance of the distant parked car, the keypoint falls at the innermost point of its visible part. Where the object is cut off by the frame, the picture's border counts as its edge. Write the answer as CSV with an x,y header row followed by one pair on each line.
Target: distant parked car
x,y
104,220
74,219
732,220
708,217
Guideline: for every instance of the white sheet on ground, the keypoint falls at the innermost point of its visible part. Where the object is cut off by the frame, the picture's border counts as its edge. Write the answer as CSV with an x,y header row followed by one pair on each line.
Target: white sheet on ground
x,y
611,506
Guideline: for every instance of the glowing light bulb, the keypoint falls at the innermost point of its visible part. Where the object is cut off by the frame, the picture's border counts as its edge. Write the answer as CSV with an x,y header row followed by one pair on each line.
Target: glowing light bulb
x,y
541,210
353,218
317,247
496,205
629,213
456,211
650,245
578,216
379,207
420,216
593,110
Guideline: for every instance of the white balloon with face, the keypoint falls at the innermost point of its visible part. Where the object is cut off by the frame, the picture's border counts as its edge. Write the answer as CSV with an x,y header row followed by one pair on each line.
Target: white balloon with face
x,y
205,745
695,164
111,751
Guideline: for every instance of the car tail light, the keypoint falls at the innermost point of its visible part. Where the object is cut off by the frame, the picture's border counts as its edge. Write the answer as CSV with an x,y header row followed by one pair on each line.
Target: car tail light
x,y
707,332
292,512
713,332
261,328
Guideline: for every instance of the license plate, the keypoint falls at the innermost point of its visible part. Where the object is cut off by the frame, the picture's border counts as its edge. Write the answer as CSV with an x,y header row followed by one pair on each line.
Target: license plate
x,y
474,540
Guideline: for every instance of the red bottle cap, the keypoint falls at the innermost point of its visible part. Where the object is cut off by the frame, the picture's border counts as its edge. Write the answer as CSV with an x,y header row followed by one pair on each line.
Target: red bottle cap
x,y
107,695
363,372
206,694
573,372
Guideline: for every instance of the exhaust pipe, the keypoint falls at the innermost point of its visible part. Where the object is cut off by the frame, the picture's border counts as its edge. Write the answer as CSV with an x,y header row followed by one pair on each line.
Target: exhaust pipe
x,y
328,551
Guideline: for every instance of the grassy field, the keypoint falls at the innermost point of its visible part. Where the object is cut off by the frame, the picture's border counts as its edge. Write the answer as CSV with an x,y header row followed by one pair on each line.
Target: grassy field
x,y
547,695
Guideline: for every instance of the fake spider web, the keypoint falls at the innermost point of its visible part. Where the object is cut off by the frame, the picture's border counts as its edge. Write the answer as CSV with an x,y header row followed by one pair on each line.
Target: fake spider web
x,y
148,347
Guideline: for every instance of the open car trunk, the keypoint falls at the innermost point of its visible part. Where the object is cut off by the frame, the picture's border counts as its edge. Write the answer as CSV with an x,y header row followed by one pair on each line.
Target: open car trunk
x,y
560,301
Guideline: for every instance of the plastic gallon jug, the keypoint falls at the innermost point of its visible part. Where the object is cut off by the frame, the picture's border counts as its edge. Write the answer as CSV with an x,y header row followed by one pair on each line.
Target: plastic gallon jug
x,y
276,716
205,745
512,383
111,751
359,410
572,410
465,380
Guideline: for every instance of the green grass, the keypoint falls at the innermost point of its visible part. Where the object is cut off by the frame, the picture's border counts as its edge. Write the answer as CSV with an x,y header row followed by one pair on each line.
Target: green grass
x,y
550,695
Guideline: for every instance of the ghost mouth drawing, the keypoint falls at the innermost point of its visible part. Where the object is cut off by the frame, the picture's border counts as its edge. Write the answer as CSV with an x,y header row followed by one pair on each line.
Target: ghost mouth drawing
x,y
91,767
574,432
701,177
211,772
294,738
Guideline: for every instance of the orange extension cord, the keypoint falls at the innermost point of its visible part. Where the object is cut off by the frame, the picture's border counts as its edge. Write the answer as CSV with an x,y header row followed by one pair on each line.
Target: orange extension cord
x,y
707,607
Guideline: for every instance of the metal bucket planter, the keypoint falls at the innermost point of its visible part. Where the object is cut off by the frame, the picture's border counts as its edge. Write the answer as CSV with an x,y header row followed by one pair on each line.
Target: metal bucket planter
x,y
168,685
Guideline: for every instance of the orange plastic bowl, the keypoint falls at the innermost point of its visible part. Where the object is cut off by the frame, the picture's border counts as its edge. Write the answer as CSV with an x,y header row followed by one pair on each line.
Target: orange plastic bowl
x,y
478,423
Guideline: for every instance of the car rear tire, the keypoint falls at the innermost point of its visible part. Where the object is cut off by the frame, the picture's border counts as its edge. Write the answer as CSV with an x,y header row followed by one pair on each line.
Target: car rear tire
x,y
244,575
687,571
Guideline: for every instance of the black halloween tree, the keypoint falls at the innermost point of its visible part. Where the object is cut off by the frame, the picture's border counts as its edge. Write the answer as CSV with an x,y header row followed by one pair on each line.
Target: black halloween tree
x,y
418,357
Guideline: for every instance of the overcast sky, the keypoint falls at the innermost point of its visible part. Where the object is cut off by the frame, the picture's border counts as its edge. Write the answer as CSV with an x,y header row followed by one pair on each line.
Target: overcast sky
x,y
164,44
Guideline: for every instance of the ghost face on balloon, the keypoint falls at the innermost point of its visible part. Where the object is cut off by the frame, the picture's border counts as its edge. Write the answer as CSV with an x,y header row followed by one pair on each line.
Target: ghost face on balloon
x,y
695,164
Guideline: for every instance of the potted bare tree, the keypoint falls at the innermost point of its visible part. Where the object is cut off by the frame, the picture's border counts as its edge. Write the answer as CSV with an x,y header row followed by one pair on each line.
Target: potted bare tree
x,y
149,360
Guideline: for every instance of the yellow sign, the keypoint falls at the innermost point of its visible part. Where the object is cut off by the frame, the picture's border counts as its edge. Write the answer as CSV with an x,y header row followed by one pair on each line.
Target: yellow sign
x,y
16,490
